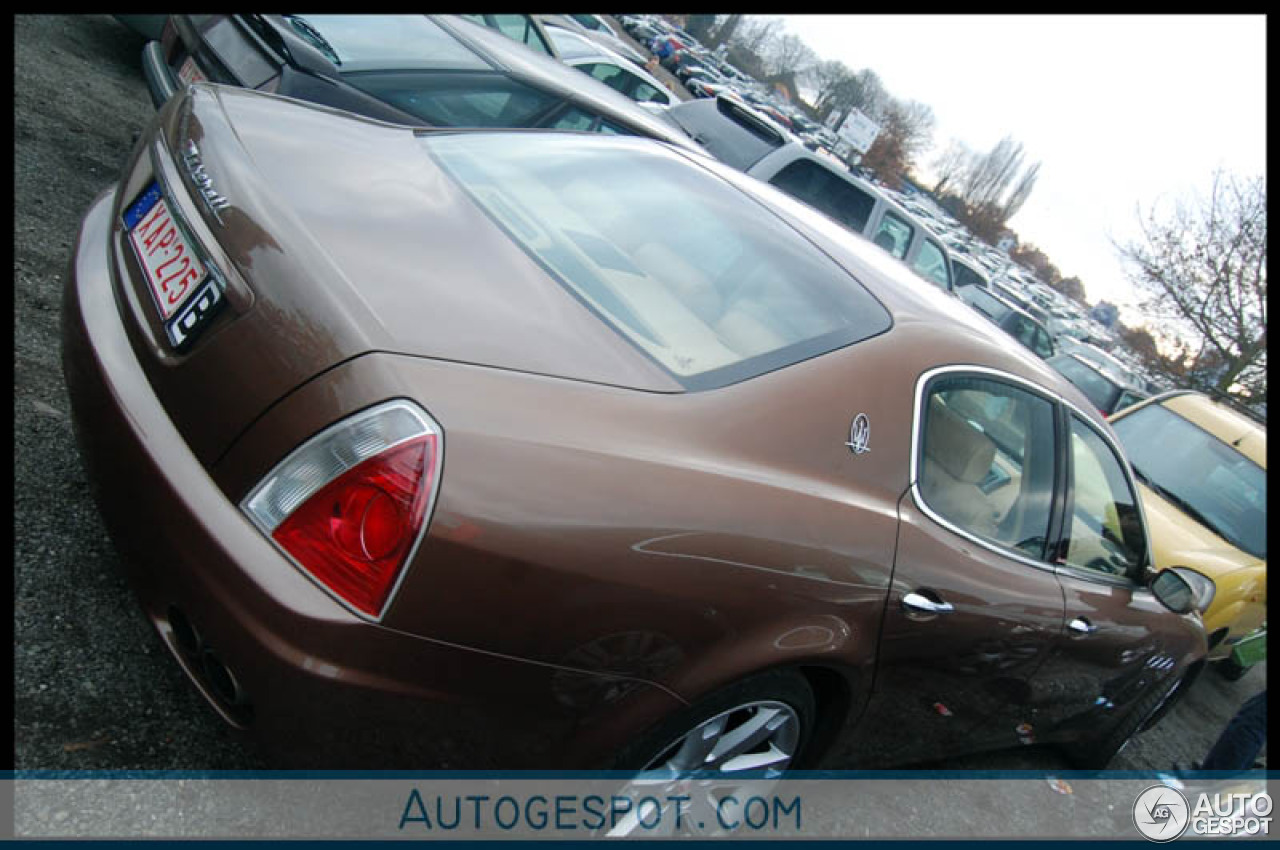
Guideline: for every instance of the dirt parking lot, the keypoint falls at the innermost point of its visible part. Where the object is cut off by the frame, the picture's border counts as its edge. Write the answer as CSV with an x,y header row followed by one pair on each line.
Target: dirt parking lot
x,y
93,686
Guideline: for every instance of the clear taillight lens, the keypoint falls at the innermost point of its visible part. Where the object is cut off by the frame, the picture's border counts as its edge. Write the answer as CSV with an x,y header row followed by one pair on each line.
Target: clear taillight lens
x,y
350,505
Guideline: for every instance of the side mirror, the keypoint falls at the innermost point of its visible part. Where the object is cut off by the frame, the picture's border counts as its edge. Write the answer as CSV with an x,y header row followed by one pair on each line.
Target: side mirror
x,y
1173,591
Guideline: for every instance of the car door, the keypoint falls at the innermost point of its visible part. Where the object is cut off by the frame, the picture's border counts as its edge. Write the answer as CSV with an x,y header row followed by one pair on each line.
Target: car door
x,y
973,607
1119,641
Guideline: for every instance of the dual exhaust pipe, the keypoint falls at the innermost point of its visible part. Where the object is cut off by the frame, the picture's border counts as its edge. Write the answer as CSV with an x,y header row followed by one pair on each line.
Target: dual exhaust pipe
x,y
219,679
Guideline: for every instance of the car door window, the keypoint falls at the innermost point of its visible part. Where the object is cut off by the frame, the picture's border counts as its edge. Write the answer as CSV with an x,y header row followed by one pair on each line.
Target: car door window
x,y
645,93
1044,345
519,27
987,460
893,235
611,75
459,100
1128,399
574,118
826,192
1104,529
931,264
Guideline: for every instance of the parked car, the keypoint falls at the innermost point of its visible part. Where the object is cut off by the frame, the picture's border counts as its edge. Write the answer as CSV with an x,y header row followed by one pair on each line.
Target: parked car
x,y
517,448
1010,318
609,68
1107,391
432,70
594,28
741,137
1101,359
1202,472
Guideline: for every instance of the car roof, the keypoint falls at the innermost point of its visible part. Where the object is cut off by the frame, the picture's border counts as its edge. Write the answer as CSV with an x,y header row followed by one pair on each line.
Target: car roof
x,y
1240,431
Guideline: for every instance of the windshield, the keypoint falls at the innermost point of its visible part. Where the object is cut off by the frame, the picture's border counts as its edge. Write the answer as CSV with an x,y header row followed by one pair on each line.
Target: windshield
x,y
379,42
1205,477
704,280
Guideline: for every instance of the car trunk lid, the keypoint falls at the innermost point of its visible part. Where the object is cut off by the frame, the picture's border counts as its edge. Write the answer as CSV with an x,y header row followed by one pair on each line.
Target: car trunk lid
x,y
353,242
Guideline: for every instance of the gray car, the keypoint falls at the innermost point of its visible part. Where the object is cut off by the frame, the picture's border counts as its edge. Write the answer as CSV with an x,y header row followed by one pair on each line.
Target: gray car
x,y
739,136
432,70
612,69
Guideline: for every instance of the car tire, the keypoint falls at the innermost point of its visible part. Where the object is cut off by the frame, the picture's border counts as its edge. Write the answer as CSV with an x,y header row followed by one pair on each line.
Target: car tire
x,y
779,697
1096,754
1228,669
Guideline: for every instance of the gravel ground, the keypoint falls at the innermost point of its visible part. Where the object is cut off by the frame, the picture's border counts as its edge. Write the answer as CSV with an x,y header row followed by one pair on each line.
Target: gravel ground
x,y
93,686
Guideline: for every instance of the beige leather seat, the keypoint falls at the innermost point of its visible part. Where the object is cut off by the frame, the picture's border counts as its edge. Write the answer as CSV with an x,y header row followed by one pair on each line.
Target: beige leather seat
x,y
956,457
694,289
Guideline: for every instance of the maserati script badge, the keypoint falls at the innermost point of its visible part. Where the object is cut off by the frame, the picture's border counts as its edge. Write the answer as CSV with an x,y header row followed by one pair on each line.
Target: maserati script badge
x,y
859,434
204,184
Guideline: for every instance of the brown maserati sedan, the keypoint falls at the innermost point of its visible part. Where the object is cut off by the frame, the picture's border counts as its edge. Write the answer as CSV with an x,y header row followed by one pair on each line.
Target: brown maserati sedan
x,y
502,448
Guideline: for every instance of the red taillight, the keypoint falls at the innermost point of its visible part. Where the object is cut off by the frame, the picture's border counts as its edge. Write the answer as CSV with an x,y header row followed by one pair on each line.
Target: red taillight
x,y
355,533
350,504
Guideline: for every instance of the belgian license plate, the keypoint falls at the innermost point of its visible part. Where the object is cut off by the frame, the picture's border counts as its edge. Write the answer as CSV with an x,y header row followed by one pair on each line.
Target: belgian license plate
x,y
190,72
183,290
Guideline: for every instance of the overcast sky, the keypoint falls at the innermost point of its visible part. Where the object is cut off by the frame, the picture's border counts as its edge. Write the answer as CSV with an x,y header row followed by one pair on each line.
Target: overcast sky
x,y
1120,110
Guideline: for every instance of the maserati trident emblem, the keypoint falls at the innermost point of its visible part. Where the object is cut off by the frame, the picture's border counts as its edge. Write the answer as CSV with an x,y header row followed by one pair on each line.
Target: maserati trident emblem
x,y
859,434
203,182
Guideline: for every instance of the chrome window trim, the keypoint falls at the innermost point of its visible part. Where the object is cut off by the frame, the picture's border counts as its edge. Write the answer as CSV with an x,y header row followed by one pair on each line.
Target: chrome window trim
x,y
916,436
1054,398
1127,472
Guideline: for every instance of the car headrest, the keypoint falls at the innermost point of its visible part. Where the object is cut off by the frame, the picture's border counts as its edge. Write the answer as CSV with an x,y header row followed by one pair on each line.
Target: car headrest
x,y
960,448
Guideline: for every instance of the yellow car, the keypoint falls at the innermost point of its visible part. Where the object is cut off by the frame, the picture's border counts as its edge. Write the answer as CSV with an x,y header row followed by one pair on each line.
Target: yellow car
x,y
1202,472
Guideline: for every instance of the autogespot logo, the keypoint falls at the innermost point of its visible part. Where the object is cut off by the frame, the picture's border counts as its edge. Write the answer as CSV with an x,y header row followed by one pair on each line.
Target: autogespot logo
x,y
1161,813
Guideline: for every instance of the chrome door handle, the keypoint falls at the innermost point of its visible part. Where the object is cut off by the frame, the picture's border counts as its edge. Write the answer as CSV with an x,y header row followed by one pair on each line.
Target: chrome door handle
x,y
1082,626
925,605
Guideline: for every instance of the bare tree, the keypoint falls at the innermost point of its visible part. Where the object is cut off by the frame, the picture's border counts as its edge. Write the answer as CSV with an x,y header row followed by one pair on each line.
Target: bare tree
x,y
724,32
701,27
991,174
951,164
1020,192
905,131
1204,268
788,52
754,34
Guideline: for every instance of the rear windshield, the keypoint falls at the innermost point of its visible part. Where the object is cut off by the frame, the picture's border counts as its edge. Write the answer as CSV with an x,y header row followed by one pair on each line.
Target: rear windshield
x,y
707,282
1095,387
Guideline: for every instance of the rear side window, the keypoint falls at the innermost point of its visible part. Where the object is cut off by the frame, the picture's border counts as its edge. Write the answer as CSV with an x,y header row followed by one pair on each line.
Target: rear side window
x,y
931,264
966,276
893,235
713,288
818,187
611,75
986,460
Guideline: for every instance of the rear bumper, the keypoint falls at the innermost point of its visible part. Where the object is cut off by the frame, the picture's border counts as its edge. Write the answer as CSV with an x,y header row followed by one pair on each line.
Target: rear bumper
x,y
318,686
161,82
